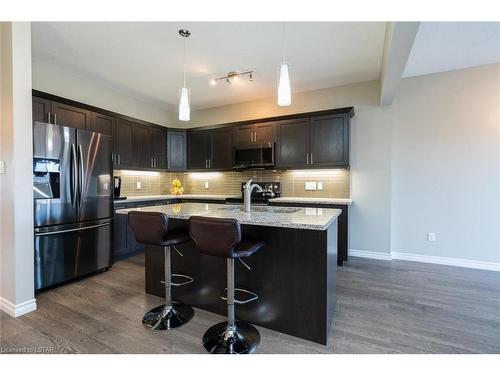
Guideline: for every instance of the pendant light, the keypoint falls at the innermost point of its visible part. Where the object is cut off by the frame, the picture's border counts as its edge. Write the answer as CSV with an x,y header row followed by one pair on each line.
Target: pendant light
x,y
284,88
184,105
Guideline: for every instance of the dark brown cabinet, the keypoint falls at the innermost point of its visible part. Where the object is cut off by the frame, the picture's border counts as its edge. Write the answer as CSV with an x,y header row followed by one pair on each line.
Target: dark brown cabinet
x,y
210,149
124,144
141,146
221,156
176,150
199,145
329,141
313,142
52,112
158,144
68,115
41,109
255,133
102,124
293,143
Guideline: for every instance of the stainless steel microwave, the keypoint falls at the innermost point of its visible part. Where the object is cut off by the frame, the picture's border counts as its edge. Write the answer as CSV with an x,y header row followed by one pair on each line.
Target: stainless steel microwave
x,y
254,156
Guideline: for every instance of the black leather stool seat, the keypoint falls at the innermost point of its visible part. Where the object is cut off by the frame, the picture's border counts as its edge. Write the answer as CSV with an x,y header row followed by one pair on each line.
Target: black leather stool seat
x,y
151,228
220,237
245,249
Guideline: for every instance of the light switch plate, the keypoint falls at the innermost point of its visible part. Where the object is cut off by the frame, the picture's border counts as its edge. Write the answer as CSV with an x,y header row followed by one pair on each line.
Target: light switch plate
x,y
320,185
206,184
310,185
138,185
431,236
2,167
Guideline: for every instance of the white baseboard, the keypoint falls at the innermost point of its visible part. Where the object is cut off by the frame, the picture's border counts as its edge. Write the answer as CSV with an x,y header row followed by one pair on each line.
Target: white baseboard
x,y
370,254
467,263
490,266
19,309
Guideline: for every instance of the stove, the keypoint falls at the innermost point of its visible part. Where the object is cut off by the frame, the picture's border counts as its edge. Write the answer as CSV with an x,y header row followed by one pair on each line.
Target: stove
x,y
270,190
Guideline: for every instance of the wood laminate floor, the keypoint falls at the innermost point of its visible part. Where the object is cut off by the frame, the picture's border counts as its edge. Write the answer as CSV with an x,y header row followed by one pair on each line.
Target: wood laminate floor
x,y
382,307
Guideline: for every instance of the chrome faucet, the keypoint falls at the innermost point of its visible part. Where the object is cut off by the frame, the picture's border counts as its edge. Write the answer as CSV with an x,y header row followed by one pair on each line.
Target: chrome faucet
x,y
247,194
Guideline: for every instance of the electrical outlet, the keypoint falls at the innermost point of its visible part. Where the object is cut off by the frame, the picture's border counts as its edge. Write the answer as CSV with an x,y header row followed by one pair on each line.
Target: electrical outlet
x,y
310,185
2,167
138,185
206,184
431,236
320,185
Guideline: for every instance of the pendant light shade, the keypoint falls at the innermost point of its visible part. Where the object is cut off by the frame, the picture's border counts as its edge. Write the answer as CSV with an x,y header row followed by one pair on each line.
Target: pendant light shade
x,y
284,88
184,107
184,100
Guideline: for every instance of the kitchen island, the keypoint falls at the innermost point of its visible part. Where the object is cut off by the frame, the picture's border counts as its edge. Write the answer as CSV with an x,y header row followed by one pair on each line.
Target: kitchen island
x,y
294,275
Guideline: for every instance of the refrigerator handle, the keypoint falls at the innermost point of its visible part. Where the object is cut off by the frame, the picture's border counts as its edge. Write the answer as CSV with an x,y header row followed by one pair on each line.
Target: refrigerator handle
x,y
80,175
74,169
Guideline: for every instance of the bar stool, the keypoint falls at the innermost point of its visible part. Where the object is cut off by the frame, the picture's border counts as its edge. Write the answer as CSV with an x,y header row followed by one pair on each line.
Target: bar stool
x,y
151,228
222,238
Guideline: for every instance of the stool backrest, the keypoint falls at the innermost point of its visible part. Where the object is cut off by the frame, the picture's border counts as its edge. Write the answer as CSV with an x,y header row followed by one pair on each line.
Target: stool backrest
x,y
150,228
216,237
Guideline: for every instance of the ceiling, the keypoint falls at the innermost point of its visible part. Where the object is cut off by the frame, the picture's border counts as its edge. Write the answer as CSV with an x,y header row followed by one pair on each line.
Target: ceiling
x,y
443,46
145,60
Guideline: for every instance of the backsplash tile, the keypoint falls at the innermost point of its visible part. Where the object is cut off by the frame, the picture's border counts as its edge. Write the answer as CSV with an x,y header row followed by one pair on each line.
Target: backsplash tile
x,y
335,182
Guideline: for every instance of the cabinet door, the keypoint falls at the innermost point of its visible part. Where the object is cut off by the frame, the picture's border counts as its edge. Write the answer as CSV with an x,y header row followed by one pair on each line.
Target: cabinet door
x,y
293,143
67,115
264,133
141,146
41,109
198,149
222,149
329,141
102,124
243,134
124,144
176,150
158,141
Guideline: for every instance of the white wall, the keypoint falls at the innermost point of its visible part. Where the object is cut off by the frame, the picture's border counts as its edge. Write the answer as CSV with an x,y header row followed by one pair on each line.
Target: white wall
x,y
16,225
446,165
59,80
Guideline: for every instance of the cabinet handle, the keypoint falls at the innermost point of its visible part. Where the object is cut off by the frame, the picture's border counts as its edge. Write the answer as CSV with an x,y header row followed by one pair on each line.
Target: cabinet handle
x,y
307,158
206,163
209,163
255,136
312,162
55,118
48,117
119,159
156,163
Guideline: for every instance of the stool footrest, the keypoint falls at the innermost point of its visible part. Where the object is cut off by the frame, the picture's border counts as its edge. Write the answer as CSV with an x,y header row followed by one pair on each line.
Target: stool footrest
x,y
188,280
252,296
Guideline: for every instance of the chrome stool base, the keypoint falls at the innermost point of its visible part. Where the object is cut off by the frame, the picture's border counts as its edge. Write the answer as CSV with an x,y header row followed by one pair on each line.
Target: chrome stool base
x,y
243,340
158,319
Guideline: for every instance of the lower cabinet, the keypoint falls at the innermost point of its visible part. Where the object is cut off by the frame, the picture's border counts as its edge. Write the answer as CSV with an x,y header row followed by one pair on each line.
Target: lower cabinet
x,y
343,226
124,243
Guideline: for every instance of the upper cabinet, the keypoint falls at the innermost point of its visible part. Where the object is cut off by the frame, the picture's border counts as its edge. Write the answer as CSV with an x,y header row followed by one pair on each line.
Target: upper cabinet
x,y
102,124
176,150
60,114
158,144
210,149
261,133
124,144
314,142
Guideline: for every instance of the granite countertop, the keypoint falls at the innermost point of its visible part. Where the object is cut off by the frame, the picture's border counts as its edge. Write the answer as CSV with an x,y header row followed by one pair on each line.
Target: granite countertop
x,y
141,198
284,217
345,201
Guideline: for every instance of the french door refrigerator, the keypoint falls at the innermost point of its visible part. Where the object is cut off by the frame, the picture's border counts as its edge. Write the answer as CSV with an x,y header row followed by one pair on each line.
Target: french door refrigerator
x,y
73,203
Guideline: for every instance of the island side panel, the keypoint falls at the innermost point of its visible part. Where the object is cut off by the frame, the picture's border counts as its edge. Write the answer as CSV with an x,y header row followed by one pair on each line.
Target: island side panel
x,y
331,287
291,276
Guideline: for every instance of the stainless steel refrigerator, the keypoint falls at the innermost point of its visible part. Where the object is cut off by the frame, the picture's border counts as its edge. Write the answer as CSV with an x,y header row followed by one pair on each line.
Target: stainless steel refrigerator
x,y
73,203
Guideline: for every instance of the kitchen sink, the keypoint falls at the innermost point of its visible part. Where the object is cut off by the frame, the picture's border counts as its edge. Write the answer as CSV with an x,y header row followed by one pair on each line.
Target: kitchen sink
x,y
271,210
